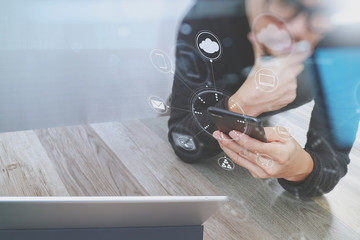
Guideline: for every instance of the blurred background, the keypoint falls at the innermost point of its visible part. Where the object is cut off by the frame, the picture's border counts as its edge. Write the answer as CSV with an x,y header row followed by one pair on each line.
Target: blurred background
x,y
72,62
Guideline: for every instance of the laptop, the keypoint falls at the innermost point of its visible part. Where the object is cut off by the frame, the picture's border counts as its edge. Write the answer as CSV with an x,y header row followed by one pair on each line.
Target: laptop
x,y
106,212
337,68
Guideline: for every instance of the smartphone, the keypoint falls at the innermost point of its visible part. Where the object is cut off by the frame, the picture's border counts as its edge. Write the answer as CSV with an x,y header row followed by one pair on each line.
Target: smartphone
x,y
227,121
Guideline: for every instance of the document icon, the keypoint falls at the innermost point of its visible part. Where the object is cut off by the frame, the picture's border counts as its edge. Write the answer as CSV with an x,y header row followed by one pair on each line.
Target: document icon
x,y
267,80
158,105
161,62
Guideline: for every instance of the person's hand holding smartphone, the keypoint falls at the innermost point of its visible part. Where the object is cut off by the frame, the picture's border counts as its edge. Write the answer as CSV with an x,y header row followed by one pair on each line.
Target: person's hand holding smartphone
x,y
279,157
227,121
271,83
265,152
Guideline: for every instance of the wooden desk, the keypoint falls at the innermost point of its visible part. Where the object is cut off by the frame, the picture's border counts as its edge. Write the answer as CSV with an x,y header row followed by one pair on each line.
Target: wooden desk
x,y
135,158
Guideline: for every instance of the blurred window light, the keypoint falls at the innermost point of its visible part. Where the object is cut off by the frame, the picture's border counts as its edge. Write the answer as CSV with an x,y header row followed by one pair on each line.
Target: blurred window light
x,y
348,13
105,10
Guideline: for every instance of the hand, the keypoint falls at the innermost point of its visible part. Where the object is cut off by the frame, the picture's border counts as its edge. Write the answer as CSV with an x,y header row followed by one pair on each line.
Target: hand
x,y
251,98
280,157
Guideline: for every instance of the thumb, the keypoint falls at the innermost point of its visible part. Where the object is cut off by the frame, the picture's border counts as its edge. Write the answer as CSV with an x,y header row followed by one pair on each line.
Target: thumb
x,y
271,134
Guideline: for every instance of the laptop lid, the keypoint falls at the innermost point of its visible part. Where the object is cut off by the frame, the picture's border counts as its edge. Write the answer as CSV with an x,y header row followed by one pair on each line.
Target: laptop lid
x,y
105,212
338,75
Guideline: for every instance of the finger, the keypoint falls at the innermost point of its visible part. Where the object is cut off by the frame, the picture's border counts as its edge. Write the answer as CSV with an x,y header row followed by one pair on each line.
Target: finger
x,y
234,146
221,137
245,163
248,143
258,53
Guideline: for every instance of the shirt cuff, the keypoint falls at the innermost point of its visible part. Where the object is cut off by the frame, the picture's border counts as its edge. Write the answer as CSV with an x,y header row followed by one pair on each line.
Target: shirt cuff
x,y
307,187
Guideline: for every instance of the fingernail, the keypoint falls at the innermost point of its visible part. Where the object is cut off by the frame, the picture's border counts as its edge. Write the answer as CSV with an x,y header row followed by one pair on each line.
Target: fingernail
x,y
234,135
217,135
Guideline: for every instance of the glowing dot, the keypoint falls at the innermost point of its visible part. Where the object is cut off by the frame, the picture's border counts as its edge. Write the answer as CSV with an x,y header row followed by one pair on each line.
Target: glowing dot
x,y
185,29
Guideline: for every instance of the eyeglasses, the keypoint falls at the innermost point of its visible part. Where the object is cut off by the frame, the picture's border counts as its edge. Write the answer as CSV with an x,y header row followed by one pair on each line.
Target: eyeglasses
x,y
317,18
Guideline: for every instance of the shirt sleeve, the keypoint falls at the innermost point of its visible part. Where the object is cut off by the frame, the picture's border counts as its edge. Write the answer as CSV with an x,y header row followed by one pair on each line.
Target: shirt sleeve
x,y
330,162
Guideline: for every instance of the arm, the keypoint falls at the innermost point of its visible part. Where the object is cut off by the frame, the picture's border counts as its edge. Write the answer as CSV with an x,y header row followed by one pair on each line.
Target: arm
x,y
330,163
307,172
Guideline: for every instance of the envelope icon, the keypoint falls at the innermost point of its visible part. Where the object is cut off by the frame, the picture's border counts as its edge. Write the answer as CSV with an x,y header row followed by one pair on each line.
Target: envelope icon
x,y
158,104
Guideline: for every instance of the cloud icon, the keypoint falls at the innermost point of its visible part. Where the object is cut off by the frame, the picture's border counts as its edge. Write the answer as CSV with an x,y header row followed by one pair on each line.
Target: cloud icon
x,y
274,38
209,46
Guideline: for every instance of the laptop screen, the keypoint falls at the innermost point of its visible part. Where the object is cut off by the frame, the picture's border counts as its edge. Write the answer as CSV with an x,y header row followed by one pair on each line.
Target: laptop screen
x,y
339,75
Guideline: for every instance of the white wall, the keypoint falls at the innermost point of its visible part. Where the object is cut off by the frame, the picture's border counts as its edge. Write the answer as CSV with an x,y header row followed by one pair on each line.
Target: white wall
x,y
68,62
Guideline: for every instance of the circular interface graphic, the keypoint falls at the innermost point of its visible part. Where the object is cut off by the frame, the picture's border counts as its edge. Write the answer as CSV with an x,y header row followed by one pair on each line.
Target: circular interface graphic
x,y
200,103
264,161
157,104
272,35
161,61
226,164
209,45
266,80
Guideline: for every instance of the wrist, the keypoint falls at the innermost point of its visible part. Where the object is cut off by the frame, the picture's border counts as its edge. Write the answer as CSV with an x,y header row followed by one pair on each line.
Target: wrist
x,y
306,170
241,105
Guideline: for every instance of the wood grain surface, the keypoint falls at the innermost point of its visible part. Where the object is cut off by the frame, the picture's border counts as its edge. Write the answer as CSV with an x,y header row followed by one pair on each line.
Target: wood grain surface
x,y
135,158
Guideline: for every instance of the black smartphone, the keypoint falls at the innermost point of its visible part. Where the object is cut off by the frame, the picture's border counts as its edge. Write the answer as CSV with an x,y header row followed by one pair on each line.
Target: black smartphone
x,y
227,121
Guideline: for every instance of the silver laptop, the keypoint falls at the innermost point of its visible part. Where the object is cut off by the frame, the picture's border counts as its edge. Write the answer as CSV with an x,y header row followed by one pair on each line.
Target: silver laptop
x,y
106,212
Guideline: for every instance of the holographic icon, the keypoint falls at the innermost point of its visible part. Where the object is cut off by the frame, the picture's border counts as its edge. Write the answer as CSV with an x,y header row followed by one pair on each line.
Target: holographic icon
x,y
199,105
226,164
157,104
186,143
161,61
270,37
209,45
266,80
264,160
274,38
